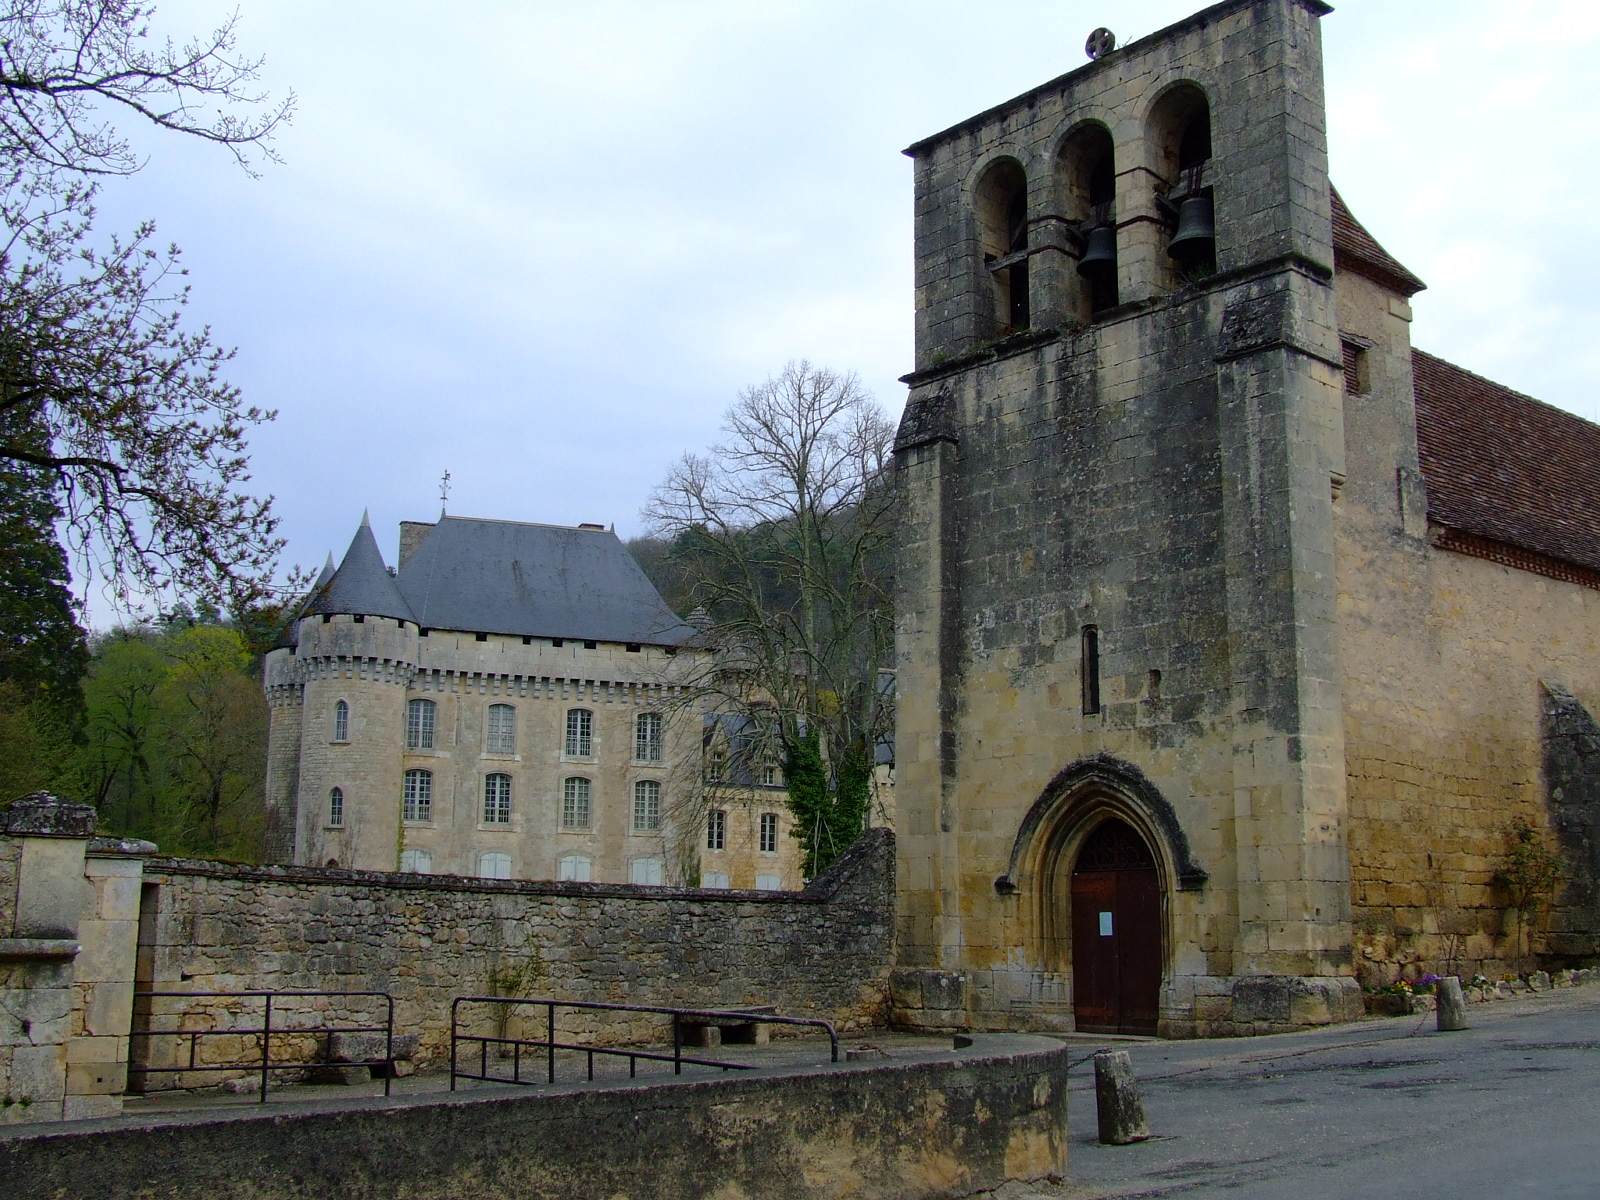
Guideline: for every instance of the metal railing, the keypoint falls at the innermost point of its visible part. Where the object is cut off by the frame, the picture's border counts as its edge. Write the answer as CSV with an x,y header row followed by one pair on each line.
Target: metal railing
x,y
265,1032
550,1044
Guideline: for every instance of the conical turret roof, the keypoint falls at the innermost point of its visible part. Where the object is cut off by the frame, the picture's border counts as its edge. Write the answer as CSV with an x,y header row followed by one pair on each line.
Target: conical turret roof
x,y
289,635
362,586
323,576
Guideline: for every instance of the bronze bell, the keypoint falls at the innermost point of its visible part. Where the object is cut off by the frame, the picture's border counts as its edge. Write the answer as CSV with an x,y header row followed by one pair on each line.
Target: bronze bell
x,y
1197,231
1099,259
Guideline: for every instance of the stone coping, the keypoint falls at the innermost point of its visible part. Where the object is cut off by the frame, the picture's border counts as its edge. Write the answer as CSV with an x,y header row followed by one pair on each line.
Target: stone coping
x,y
1004,1052
823,888
40,814
37,949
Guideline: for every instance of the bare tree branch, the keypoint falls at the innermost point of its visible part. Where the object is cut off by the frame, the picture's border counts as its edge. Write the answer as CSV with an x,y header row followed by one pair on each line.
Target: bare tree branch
x,y
145,438
783,533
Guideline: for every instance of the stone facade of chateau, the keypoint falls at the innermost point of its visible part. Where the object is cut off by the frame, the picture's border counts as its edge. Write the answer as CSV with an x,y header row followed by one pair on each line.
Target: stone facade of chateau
x,y
507,704
1234,633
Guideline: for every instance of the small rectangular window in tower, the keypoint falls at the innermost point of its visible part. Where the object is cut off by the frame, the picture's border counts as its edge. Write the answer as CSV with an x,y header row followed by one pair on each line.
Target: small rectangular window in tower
x,y
1091,669
1357,373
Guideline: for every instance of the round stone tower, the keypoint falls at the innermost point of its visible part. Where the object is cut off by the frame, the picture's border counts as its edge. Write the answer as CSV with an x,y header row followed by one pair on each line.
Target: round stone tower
x,y
354,655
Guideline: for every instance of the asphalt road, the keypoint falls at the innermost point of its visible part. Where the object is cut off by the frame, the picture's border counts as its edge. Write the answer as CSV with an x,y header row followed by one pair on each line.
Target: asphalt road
x,y
1509,1107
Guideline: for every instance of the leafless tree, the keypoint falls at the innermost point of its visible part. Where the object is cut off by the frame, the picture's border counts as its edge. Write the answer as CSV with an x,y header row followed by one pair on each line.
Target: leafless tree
x,y
119,400
783,533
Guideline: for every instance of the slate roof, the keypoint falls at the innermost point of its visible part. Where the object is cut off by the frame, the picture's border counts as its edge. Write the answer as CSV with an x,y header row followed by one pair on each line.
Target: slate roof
x,y
362,584
289,635
510,577
1357,251
1505,466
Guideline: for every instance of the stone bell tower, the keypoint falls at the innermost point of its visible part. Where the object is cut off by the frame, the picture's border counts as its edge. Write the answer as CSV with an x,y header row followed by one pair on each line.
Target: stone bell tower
x,y
1121,782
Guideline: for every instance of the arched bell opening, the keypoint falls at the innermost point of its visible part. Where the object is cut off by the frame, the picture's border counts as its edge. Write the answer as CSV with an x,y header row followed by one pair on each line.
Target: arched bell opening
x,y
1000,204
1086,180
1178,135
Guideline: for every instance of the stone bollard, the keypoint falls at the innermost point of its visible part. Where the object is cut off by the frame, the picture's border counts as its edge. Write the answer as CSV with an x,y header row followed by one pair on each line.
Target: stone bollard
x,y
1116,1097
1451,1012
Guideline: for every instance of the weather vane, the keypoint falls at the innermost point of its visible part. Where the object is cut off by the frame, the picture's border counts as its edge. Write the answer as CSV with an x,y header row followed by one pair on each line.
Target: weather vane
x,y
444,489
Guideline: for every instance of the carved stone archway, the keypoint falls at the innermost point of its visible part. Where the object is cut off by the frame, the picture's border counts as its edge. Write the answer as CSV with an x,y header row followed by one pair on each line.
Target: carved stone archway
x,y
1080,799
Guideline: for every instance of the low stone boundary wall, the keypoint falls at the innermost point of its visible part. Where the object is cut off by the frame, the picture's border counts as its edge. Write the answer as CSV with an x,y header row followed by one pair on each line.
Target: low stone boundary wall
x,y
942,1124
1480,991
425,939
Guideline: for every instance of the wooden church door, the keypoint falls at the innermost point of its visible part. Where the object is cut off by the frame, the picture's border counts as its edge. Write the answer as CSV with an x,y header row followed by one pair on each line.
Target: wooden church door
x,y
1116,933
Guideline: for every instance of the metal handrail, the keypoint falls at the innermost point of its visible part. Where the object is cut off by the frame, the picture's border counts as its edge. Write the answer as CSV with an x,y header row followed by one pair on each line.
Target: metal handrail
x,y
265,1032
550,1044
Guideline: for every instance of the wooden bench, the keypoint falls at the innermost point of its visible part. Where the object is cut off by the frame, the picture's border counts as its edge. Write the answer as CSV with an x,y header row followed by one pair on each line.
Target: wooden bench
x,y
732,1030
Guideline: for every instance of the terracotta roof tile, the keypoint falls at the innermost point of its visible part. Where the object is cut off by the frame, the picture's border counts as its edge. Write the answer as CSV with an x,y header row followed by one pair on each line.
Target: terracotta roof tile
x,y
1357,251
1504,466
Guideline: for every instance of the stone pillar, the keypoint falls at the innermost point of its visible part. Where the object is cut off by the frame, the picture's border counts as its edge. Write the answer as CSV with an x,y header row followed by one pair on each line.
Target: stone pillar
x,y
42,841
103,979
927,633
1278,380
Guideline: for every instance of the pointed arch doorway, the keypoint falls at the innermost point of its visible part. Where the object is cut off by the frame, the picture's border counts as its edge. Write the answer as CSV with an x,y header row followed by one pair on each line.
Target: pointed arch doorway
x,y
1116,933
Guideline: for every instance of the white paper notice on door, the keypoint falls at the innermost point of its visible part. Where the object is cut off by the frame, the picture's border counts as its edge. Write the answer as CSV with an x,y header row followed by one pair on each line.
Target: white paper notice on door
x,y
1105,924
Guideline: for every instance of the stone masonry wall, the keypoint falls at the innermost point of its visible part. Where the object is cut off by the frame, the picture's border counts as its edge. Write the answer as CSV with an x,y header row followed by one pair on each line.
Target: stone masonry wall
x,y
1449,664
426,939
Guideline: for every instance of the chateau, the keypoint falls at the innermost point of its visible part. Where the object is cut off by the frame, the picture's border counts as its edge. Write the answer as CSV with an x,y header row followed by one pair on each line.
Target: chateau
x,y
1233,631
509,703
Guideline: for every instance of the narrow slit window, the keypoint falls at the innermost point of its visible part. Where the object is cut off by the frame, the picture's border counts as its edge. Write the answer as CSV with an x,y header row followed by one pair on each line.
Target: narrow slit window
x,y
341,722
716,829
336,808
1091,669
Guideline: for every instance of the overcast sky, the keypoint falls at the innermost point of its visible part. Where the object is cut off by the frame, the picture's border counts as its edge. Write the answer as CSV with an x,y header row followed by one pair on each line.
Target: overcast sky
x,y
544,244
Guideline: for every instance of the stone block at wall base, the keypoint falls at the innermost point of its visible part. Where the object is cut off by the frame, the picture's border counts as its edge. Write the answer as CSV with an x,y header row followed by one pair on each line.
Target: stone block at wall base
x,y
36,1074
1191,1006
97,1079
927,999
90,1108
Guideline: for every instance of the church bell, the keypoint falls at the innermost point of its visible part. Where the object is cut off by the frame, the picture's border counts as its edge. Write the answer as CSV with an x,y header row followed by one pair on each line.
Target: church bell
x,y
1099,259
1197,231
